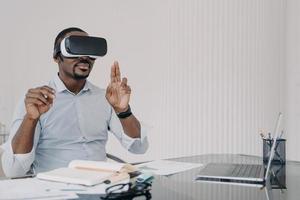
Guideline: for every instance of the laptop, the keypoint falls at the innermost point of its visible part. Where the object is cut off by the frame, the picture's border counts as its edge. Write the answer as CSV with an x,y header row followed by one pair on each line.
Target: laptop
x,y
240,174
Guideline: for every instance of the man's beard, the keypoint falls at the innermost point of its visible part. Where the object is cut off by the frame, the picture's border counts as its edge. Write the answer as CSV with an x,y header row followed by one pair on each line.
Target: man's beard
x,y
78,76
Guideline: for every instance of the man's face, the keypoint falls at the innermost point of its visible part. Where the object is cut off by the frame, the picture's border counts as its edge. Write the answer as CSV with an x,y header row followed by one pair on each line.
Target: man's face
x,y
76,68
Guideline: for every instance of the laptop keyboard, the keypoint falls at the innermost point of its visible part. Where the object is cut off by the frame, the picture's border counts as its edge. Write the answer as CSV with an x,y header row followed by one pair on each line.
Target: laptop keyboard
x,y
246,170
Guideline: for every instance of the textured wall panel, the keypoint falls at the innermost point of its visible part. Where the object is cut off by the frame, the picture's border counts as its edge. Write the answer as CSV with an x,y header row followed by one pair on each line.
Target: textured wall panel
x,y
206,75
221,76
293,79
224,75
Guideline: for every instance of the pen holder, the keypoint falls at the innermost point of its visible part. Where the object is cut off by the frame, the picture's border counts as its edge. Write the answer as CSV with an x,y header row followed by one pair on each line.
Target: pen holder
x,y
279,156
278,177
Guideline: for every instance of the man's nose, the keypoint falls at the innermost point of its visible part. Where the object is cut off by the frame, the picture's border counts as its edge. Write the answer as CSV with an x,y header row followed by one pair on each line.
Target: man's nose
x,y
84,57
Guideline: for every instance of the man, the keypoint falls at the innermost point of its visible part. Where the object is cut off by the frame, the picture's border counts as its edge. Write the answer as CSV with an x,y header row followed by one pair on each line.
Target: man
x,y
70,118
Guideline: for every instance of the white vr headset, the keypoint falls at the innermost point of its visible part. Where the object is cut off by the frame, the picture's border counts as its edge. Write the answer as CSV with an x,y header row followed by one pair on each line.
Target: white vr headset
x,y
79,46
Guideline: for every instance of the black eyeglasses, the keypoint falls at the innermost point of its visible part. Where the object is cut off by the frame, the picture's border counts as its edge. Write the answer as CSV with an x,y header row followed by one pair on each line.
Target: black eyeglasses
x,y
128,191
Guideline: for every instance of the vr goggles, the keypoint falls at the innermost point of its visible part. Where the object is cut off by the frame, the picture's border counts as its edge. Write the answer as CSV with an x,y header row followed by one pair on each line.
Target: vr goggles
x,y
78,46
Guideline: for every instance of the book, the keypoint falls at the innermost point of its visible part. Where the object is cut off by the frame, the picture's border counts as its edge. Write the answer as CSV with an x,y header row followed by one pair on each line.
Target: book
x,y
89,173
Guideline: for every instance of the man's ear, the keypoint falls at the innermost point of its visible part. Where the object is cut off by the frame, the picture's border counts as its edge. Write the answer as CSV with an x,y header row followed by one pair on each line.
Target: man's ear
x,y
57,58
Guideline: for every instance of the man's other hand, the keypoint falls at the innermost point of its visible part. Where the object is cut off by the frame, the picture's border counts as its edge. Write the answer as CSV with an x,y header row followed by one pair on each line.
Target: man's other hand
x,y
38,101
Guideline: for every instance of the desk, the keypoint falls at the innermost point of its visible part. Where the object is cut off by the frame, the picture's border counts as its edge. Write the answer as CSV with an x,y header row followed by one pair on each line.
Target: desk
x,y
183,187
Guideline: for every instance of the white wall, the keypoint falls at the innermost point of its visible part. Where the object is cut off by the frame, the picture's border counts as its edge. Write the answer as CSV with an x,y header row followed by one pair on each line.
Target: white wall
x,y
293,78
205,74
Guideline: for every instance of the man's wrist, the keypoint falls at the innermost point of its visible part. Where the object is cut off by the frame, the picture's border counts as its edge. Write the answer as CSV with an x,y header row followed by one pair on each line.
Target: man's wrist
x,y
120,110
124,114
30,118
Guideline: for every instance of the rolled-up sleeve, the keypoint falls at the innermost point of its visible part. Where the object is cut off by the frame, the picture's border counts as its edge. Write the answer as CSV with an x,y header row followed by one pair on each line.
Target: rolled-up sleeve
x,y
133,145
16,165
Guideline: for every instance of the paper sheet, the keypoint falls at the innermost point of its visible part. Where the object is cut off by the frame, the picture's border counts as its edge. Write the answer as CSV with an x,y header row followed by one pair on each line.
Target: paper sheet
x,y
167,167
33,188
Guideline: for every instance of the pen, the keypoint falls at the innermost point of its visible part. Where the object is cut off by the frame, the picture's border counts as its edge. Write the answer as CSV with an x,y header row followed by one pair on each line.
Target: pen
x,y
261,133
281,134
116,178
72,190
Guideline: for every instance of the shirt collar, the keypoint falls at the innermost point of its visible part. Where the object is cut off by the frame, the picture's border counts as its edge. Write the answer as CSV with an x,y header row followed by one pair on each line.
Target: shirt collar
x,y
60,86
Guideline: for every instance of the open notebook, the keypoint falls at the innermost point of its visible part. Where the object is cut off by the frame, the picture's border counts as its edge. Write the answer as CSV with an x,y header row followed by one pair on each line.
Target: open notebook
x,y
89,173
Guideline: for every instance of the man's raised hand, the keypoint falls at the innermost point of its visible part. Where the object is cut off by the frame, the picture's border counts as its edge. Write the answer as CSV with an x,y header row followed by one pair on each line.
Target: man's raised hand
x,y
118,92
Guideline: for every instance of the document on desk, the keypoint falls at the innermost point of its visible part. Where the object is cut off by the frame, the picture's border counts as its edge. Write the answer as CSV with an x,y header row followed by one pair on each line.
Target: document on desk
x,y
167,167
33,188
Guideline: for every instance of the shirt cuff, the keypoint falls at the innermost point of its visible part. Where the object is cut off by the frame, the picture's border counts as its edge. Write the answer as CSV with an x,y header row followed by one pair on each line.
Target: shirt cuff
x,y
134,145
17,164
138,145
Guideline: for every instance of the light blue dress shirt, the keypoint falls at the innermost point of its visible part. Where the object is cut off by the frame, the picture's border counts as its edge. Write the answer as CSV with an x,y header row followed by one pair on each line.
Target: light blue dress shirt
x,y
75,127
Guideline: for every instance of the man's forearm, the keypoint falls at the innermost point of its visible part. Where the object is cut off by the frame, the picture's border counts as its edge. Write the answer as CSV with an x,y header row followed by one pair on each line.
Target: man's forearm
x,y
22,142
131,126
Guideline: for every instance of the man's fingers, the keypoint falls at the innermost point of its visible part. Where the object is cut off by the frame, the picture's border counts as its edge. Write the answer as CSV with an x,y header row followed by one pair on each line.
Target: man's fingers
x,y
51,90
47,95
113,77
108,90
118,73
34,101
38,96
45,90
128,90
124,82
115,74
45,87
38,100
